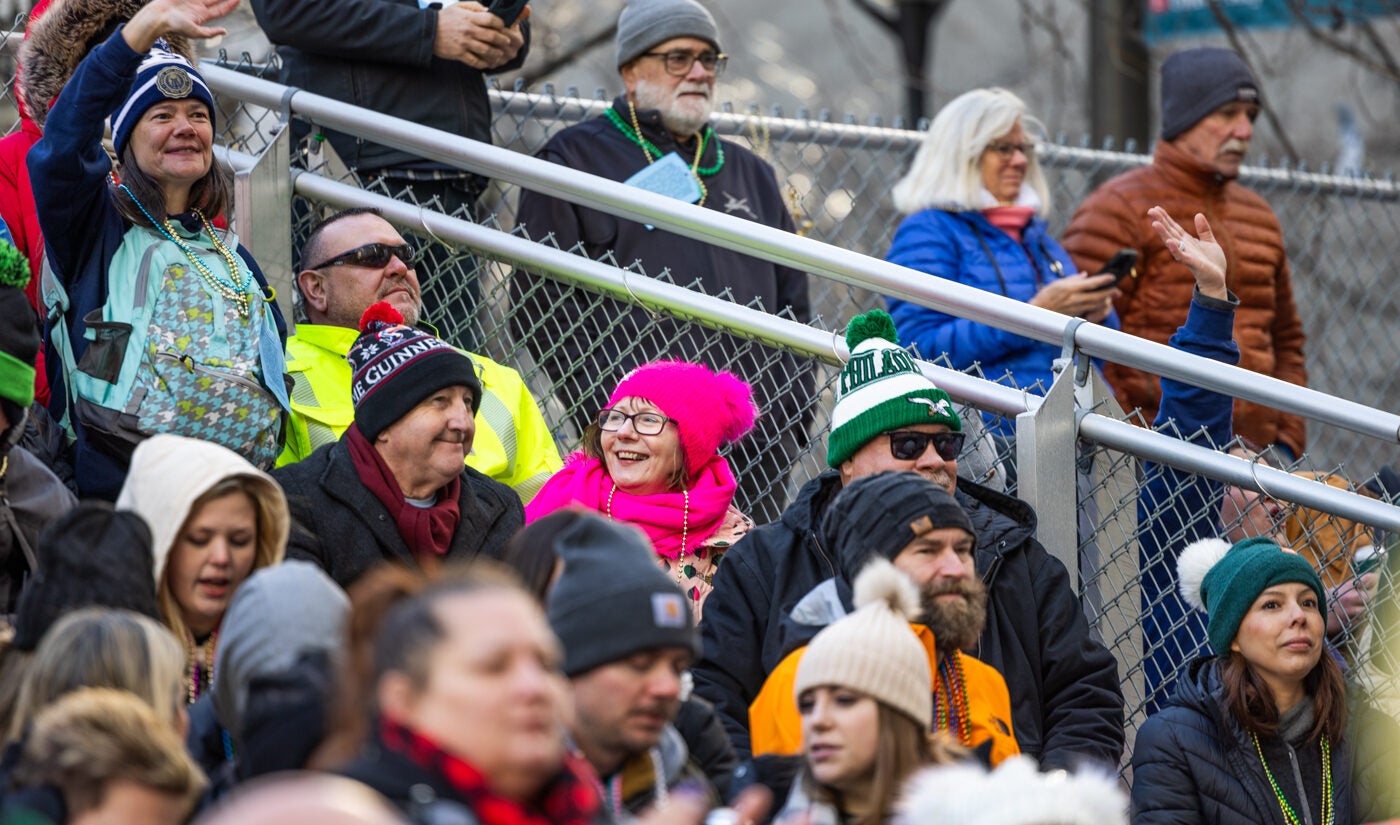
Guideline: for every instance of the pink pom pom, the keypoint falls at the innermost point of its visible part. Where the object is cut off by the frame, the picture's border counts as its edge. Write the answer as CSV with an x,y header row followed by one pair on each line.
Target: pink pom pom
x,y
735,396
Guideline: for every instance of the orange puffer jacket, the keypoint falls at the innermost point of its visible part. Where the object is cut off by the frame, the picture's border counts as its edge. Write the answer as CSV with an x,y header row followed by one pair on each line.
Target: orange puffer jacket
x,y
1153,305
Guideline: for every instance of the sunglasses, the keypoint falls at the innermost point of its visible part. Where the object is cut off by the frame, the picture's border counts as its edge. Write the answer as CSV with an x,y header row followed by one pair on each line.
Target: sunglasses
x,y
373,255
907,445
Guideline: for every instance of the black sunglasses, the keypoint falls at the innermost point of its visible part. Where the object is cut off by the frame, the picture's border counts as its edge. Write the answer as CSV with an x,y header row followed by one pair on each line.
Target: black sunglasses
x,y
907,445
373,255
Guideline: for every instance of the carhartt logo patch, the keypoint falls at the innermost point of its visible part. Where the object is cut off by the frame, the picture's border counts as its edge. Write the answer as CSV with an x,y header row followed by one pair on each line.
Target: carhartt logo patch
x,y
667,610
921,525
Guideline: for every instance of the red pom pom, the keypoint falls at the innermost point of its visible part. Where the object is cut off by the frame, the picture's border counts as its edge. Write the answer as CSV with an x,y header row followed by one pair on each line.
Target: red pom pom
x,y
382,311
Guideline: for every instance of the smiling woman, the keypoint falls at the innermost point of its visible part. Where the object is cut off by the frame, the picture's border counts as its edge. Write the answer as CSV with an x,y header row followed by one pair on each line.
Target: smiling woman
x,y
165,324
214,519
652,459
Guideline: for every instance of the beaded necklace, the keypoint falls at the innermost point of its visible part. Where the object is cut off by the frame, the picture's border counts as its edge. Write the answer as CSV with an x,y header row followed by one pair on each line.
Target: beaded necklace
x,y
633,132
1329,815
950,699
199,681
685,530
231,289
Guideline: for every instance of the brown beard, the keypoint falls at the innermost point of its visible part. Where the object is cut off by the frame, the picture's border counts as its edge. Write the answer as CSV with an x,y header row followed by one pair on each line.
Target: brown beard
x,y
956,625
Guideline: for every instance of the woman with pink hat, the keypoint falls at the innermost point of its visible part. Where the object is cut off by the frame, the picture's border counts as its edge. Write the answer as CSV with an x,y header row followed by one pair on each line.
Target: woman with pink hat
x,y
651,459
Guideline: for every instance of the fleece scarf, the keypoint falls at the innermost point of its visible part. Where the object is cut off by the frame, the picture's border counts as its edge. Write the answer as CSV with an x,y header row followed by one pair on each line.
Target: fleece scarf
x,y
585,482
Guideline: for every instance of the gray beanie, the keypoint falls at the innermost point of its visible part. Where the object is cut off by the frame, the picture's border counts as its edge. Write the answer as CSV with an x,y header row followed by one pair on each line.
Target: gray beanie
x,y
1196,82
611,599
878,515
645,23
276,615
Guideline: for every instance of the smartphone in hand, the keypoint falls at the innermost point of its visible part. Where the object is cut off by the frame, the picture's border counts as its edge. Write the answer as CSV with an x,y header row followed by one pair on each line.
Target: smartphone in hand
x,y
1122,265
507,10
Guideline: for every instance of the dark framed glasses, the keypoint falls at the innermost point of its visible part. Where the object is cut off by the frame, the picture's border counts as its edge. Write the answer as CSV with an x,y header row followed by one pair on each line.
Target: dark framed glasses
x,y
678,63
373,256
645,423
907,445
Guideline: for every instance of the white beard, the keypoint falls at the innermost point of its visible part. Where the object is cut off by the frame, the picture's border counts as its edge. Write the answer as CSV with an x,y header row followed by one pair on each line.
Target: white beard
x,y
680,115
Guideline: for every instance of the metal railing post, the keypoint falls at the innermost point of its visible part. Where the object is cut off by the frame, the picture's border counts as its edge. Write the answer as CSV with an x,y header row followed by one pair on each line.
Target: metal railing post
x,y
262,209
1045,458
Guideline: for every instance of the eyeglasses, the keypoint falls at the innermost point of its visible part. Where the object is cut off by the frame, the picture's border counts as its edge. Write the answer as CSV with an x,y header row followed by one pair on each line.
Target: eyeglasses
x,y
907,445
1007,150
645,423
678,63
373,255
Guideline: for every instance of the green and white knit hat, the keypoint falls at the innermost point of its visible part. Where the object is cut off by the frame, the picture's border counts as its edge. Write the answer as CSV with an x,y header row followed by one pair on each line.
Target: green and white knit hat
x,y
881,389
19,327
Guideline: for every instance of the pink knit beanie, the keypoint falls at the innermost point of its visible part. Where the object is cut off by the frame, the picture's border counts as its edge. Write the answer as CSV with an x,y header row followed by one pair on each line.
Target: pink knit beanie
x,y
709,408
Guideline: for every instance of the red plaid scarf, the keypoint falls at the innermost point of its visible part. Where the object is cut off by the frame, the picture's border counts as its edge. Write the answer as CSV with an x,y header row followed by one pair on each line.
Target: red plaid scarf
x,y
568,799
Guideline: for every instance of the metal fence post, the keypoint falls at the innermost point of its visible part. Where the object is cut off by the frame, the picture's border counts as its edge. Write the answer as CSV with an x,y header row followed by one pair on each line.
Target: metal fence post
x,y
262,209
1045,475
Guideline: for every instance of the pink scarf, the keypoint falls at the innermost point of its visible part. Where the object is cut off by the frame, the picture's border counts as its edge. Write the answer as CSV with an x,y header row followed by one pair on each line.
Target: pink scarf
x,y
1010,219
663,517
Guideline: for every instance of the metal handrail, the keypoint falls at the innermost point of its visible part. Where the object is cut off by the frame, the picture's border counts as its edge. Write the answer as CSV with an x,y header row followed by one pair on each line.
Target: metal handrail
x,y
787,249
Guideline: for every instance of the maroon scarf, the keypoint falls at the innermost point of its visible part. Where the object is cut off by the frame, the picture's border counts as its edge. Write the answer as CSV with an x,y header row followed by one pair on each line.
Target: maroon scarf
x,y
427,531
568,799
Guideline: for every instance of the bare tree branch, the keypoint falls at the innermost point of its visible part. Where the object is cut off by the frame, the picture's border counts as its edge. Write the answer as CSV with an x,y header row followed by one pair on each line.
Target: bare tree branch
x,y
570,55
888,21
1228,26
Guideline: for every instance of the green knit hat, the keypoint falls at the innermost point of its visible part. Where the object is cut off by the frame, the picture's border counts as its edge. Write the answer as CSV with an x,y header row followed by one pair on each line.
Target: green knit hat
x,y
19,332
881,389
1224,581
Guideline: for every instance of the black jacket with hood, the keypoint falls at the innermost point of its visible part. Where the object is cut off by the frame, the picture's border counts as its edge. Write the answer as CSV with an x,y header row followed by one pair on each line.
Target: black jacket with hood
x,y
1067,705
1193,762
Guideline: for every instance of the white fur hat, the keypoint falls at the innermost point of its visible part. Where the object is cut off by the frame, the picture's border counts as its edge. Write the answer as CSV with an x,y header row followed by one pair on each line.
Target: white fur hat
x,y
1016,793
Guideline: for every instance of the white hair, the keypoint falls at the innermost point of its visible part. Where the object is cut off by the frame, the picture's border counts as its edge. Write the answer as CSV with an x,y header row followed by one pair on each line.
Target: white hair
x,y
947,171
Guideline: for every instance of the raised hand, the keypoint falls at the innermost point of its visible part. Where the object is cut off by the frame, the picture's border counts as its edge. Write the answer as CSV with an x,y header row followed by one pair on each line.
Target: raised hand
x,y
184,17
1203,256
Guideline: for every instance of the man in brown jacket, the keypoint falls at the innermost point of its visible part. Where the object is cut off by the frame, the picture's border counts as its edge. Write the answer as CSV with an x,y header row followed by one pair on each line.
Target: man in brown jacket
x,y
1209,103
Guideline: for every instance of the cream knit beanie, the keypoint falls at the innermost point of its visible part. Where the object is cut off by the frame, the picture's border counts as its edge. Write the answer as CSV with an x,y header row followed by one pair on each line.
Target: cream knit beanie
x,y
873,650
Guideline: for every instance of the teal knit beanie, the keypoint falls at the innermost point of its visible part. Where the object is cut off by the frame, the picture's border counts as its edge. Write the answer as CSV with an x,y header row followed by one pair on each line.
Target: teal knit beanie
x,y
1224,581
881,389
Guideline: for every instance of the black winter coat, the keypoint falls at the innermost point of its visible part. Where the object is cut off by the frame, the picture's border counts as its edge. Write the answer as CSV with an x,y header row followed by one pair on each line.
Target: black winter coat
x,y
378,54
1066,703
1194,763
339,524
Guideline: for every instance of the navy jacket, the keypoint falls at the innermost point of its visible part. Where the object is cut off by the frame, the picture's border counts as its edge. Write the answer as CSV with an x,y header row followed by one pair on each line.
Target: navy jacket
x,y
83,229
1194,763
1067,706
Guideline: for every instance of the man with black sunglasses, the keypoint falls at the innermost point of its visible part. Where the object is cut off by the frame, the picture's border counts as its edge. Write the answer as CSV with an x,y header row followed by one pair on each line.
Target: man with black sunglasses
x,y
669,58
351,260
1067,705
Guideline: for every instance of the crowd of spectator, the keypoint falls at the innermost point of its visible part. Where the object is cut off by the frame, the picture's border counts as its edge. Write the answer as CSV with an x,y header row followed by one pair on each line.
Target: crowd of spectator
x,y
343,575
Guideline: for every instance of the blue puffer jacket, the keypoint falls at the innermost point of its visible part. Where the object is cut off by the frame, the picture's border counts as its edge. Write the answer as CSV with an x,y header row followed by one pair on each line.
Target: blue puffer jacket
x,y
956,246
1193,763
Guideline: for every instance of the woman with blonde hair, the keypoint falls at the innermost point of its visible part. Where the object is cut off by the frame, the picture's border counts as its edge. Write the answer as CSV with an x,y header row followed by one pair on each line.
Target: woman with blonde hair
x,y
214,519
976,198
97,647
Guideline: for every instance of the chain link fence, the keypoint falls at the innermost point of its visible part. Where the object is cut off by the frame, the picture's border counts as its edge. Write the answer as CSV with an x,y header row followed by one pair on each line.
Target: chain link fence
x,y
572,345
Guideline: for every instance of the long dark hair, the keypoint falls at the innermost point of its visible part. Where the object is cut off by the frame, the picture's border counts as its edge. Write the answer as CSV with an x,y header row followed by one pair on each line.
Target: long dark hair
x,y
1248,699
211,194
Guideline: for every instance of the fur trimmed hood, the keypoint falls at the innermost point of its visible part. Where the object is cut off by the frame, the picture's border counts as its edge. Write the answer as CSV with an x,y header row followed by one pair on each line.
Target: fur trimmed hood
x,y
55,46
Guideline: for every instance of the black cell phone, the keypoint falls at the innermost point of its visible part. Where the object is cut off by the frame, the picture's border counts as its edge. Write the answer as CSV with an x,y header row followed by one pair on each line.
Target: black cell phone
x,y
1121,265
507,10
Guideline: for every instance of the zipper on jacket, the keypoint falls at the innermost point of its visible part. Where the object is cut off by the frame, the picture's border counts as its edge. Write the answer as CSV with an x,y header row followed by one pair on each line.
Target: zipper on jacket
x,y
1298,777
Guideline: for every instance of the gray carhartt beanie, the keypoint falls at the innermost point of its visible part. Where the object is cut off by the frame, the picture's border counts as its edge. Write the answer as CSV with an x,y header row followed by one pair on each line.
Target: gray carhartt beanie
x,y
611,599
279,613
645,23
1196,82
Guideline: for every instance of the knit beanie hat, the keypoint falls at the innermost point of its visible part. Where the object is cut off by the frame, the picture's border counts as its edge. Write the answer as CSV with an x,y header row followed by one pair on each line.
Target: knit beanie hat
x,y
1015,793
878,515
645,23
397,366
163,75
1224,581
873,650
881,389
19,328
91,556
1196,82
611,600
709,408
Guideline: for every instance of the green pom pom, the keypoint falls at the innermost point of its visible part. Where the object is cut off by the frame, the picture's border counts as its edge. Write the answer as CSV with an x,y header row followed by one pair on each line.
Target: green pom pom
x,y
874,324
14,267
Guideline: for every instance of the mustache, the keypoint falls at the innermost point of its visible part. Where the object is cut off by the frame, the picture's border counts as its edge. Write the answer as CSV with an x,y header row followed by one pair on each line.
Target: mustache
x,y
1233,145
